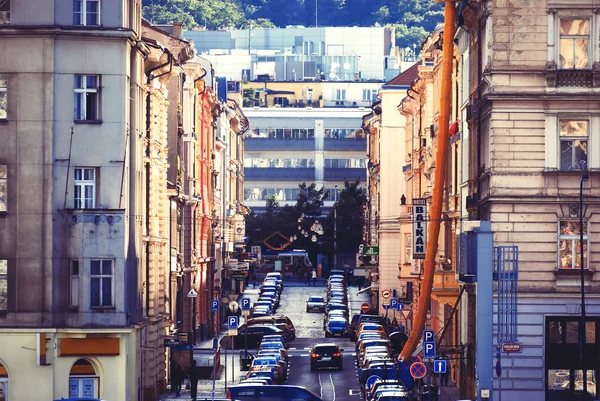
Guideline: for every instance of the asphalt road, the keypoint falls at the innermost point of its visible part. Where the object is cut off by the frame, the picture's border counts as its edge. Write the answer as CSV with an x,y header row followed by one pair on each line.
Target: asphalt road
x,y
329,384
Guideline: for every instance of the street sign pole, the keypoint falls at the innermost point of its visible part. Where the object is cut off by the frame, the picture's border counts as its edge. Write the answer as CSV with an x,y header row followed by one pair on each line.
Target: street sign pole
x,y
233,361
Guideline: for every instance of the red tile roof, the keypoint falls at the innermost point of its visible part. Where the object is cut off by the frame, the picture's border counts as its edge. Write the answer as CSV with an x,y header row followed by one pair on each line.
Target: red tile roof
x,y
405,78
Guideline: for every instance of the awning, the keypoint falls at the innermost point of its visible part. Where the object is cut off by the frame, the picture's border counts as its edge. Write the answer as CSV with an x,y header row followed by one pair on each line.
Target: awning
x,y
275,92
363,290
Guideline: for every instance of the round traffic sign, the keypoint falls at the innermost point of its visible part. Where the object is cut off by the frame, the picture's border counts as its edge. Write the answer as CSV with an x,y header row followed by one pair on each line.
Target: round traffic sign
x,y
418,370
386,294
371,380
365,307
233,306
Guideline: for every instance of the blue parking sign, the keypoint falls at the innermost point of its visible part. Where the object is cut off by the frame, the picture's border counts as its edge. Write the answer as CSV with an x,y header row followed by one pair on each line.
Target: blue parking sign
x,y
428,335
214,305
429,349
245,303
232,322
439,366
394,303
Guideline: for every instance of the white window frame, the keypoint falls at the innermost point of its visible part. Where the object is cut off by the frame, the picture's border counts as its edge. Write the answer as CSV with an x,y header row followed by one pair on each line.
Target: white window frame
x,y
74,270
84,92
339,94
79,389
561,139
81,184
82,20
407,248
4,278
4,12
101,276
574,238
3,95
575,37
3,188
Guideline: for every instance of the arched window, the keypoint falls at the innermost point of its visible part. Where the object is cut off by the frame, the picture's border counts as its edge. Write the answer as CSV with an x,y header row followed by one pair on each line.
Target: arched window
x,y
83,380
3,383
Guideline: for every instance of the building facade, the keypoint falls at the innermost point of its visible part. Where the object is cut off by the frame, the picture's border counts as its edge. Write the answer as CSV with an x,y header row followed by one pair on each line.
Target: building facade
x,y
289,146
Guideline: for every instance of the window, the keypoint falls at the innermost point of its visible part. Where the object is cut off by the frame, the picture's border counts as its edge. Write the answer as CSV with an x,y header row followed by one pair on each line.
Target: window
x,y
74,298
87,97
573,144
85,188
574,44
3,96
569,253
407,248
101,283
369,95
4,12
86,12
3,188
339,94
3,284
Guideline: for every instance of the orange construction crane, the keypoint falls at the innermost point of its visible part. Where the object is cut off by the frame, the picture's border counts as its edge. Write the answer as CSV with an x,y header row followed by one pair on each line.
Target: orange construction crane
x,y
438,183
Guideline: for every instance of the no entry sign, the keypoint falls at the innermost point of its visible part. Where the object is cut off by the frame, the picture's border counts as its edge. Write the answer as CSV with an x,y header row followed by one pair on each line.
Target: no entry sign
x,y
365,307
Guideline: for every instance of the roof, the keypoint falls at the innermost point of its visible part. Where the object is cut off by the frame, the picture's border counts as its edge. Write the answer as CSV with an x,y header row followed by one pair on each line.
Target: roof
x,y
405,78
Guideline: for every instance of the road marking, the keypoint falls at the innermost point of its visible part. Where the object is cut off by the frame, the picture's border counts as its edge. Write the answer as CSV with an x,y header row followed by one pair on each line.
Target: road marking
x,y
332,385
354,392
320,386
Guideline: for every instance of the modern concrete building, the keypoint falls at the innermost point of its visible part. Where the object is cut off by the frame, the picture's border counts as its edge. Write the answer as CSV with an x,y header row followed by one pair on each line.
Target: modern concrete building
x,y
299,53
289,146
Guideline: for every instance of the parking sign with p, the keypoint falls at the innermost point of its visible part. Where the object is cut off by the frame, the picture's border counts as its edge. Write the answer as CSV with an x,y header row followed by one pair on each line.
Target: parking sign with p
x,y
245,303
232,322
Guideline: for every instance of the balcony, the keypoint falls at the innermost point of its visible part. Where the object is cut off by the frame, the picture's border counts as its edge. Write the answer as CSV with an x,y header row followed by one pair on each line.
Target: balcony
x,y
280,144
345,144
279,174
333,174
577,78
445,288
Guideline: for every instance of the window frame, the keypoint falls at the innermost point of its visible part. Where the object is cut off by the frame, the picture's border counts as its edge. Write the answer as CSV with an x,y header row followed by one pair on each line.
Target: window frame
x,y
101,276
574,238
4,94
84,92
4,185
80,203
74,293
588,37
572,139
84,13
5,9
4,278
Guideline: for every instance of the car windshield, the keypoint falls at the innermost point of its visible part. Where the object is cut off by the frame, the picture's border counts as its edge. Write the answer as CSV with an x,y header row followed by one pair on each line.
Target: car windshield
x,y
315,299
337,323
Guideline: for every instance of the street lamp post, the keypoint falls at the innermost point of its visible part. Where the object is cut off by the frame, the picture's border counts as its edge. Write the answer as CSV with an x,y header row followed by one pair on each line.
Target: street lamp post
x,y
584,177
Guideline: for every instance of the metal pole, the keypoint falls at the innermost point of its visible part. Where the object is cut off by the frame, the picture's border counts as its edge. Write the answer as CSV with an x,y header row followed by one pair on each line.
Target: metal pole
x,y
335,229
584,177
214,374
232,362
226,366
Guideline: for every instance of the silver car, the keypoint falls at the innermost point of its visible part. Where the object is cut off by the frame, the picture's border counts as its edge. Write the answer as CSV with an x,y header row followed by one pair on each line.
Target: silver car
x,y
315,304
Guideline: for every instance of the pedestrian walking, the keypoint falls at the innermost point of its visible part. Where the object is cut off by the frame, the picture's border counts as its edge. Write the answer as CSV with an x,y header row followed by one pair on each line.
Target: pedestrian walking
x,y
193,376
307,281
178,378
314,277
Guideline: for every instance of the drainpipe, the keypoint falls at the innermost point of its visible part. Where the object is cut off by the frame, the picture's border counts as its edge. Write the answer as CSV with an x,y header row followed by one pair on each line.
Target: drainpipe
x,y
438,185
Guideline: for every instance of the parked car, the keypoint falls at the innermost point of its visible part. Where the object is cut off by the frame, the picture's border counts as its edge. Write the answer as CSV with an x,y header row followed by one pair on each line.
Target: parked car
x,y
315,304
326,355
362,318
266,363
255,335
270,392
272,320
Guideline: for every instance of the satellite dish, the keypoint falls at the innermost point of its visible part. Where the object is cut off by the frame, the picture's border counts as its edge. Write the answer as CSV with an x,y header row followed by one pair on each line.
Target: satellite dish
x,y
334,65
346,66
332,75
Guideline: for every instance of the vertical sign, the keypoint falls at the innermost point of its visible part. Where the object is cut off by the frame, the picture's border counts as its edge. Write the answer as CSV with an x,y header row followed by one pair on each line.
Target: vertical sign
x,y
419,232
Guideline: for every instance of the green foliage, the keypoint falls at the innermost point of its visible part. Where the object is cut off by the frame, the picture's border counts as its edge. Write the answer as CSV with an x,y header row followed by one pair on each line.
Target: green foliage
x,y
349,210
249,97
413,19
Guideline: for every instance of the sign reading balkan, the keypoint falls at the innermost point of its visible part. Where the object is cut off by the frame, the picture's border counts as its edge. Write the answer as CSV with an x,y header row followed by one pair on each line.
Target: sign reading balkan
x,y
419,233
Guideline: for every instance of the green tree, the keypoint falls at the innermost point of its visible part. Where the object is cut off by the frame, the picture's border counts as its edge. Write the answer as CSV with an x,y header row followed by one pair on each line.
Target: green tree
x,y
349,210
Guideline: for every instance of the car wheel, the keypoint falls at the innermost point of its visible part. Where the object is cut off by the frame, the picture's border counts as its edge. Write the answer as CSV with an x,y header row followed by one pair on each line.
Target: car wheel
x,y
307,311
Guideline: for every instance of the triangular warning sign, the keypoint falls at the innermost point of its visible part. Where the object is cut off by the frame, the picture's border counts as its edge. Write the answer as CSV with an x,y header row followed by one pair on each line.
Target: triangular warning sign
x,y
192,293
406,313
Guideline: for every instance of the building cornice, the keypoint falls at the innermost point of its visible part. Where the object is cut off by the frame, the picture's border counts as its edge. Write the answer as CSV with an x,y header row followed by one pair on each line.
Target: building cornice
x,y
54,30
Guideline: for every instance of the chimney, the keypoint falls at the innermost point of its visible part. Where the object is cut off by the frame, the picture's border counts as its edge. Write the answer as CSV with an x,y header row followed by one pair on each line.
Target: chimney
x,y
178,29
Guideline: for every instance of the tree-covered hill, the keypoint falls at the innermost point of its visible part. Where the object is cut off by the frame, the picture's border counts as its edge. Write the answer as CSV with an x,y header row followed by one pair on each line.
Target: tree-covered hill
x,y
413,19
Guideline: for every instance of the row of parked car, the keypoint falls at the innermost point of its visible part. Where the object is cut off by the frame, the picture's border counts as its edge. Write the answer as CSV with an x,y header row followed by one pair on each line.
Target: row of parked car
x,y
266,374
375,356
334,305
270,294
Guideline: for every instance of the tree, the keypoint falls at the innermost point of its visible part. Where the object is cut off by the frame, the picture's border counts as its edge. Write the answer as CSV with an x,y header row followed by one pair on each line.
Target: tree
x,y
349,210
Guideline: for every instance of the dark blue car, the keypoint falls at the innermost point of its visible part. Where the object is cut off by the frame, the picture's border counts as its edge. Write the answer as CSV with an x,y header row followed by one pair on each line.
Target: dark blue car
x,y
336,327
